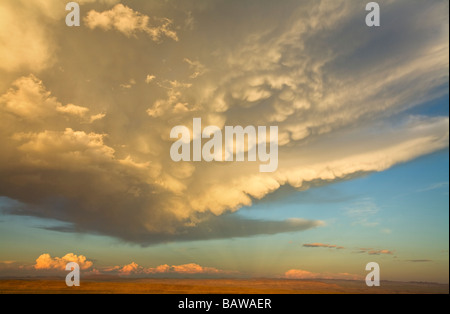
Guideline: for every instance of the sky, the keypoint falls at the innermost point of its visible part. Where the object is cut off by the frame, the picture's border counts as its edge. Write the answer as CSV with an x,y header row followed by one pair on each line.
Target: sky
x,y
362,114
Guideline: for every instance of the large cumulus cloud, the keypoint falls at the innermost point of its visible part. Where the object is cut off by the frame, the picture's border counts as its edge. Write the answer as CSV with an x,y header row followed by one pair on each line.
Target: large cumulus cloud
x,y
79,147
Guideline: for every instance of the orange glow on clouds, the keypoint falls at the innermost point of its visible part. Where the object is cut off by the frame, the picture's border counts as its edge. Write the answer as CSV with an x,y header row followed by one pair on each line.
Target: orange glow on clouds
x,y
45,261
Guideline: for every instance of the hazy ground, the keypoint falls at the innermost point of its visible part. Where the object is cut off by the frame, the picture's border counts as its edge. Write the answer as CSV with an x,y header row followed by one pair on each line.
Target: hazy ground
x,y
215,286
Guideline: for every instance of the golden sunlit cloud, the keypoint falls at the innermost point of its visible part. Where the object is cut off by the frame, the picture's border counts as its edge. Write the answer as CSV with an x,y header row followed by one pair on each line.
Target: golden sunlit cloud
x,y
129,22
46,262
186,269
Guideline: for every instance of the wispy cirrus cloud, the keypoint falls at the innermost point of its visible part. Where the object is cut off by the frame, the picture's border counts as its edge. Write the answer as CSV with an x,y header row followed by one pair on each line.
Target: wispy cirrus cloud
x,y
435,186
371,251
379,252
322,245
362,212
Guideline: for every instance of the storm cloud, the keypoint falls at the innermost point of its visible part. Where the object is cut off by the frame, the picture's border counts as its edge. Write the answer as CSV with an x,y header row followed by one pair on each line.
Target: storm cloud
x,y
86,113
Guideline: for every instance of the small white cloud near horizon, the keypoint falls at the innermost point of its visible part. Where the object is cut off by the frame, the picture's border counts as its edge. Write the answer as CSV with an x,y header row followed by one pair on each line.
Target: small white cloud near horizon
x,y
304,274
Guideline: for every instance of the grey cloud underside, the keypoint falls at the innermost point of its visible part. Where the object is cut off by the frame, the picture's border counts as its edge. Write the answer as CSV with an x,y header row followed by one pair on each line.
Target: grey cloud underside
x,y
230,227
101,205
225,227
336,89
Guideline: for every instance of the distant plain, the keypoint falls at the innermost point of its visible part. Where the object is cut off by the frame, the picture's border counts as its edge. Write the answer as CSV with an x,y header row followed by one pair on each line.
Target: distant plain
x,y
215,286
